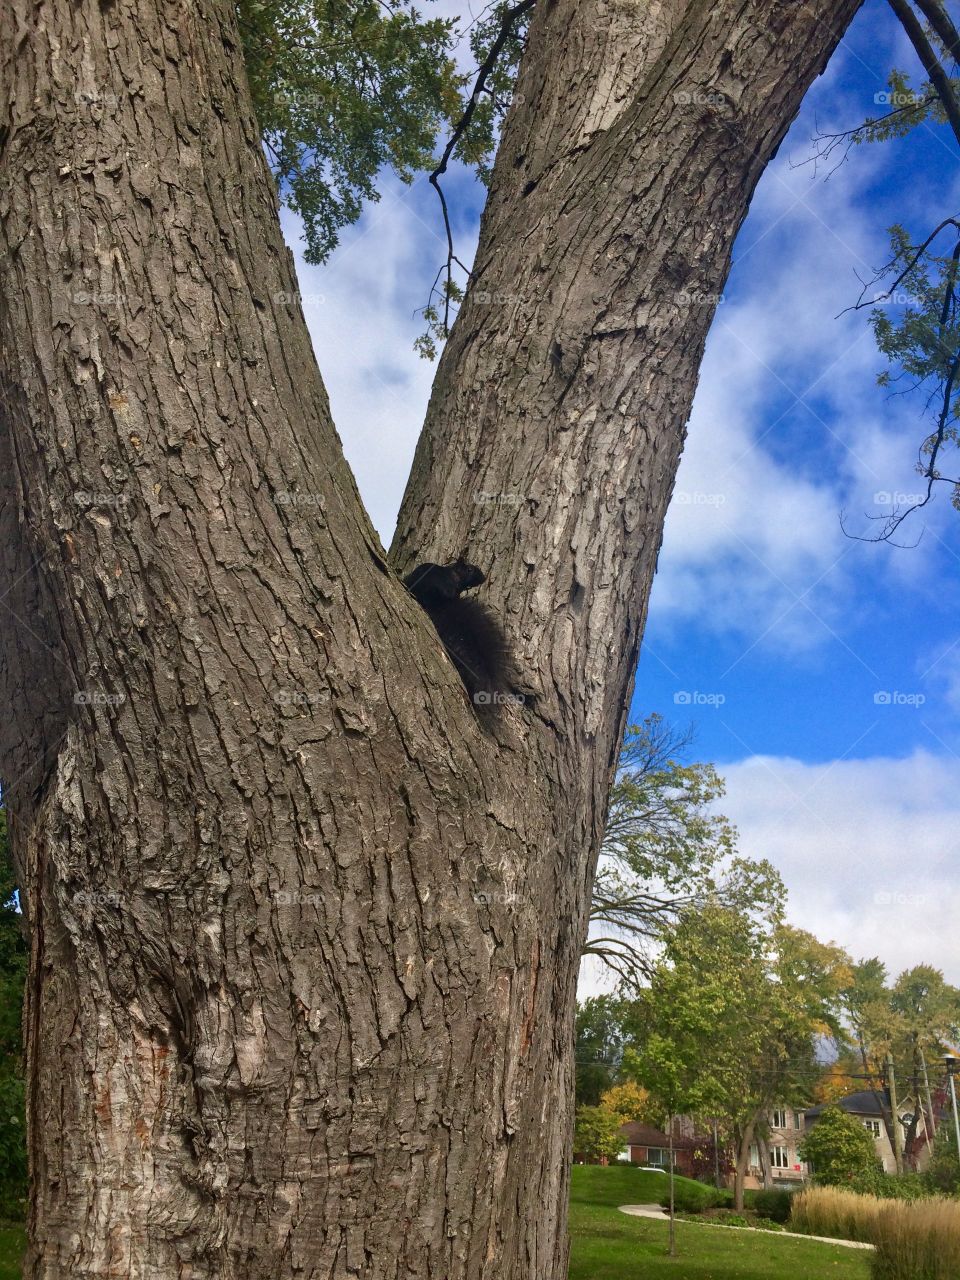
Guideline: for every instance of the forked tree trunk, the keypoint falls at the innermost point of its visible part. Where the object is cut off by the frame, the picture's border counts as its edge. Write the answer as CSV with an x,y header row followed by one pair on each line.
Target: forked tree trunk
x,y
305,934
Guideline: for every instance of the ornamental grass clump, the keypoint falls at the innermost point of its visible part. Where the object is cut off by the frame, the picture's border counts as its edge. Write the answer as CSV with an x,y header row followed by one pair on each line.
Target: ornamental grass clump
x,y
913,1239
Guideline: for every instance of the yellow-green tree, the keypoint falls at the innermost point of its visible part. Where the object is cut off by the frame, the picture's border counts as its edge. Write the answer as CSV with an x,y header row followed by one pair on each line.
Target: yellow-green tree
x,y
730,1018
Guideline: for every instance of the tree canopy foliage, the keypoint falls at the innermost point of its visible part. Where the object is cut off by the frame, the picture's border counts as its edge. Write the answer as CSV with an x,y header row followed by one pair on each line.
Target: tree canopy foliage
x,y
667,849
731,1016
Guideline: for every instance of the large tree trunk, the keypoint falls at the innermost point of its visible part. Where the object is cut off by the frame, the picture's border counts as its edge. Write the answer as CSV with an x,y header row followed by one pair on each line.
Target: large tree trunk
x,y
305,933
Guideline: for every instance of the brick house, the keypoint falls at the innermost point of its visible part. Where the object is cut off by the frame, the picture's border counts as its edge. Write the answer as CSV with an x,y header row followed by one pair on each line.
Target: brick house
x,y
650,1147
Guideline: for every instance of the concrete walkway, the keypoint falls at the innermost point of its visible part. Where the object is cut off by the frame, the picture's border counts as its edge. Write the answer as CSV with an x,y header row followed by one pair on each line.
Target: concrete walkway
x,y
658,1212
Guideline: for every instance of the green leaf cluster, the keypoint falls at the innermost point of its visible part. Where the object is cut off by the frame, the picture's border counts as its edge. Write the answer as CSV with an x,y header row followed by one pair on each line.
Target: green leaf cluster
x,y
344,89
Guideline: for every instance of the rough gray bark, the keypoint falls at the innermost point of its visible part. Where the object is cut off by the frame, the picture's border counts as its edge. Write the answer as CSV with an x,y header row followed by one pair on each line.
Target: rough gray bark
x,y
305,935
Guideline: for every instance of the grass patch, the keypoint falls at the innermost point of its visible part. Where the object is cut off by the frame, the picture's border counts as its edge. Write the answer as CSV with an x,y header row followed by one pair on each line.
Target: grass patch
x,y
13,1241
609,1245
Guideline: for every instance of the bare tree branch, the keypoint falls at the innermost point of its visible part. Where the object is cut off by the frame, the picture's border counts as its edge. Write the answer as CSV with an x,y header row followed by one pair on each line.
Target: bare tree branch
x,y
507,27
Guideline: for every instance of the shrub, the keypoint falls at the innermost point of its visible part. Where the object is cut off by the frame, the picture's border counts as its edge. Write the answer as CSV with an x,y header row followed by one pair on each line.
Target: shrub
x,y
902,1186
690,1197
731,1220
774,1204
943,1172
841,1151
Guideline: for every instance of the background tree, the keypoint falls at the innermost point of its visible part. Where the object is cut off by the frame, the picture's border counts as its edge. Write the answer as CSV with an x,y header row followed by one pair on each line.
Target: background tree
x,y
730,1021
927,1013
914,1020
598,1047
842,1152
629,1101
310,927
596,1134
666,849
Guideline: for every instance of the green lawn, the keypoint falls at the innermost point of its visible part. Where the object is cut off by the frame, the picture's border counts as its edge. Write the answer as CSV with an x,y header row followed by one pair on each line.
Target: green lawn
x,y
13,1241
608,1245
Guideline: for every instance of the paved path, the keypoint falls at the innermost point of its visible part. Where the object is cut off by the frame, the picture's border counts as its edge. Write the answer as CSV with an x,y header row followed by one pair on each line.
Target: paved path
x,y
656,1211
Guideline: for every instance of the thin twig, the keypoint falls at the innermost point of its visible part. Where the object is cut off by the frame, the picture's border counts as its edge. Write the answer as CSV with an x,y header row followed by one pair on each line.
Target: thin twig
x,y
508,24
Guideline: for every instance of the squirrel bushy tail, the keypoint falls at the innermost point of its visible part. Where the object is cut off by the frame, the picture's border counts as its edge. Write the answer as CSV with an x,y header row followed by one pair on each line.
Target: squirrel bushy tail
x,y
470,631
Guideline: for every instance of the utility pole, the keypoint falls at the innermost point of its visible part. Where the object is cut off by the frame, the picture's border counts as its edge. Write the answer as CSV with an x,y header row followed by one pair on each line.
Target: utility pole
x,y
894,1115
929,1099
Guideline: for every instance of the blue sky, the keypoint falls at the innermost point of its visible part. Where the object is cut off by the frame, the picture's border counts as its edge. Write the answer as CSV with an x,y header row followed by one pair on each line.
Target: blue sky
x,y
760,599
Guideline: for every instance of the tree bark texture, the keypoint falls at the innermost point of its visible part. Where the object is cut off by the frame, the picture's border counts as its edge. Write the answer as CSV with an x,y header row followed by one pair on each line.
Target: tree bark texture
x,y
305,931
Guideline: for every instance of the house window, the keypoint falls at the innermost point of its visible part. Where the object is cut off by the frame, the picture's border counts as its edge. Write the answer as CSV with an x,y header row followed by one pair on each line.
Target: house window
x,y
873,1126
779,1157
659,1156
754,1156
779,1120
798,1119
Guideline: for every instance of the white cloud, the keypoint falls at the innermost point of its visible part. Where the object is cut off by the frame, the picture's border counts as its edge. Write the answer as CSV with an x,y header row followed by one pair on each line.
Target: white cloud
x,y
869,850
360,309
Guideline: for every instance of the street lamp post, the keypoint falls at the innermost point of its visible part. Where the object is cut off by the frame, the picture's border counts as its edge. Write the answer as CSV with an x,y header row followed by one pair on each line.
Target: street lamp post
x,y
953,1069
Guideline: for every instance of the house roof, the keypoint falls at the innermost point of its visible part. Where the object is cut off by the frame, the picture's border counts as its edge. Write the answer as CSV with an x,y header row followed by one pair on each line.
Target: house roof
x,y
866,1102
645,1135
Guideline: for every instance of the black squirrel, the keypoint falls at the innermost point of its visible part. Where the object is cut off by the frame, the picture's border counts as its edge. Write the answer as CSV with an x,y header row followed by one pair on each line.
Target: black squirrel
x,y
470,631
